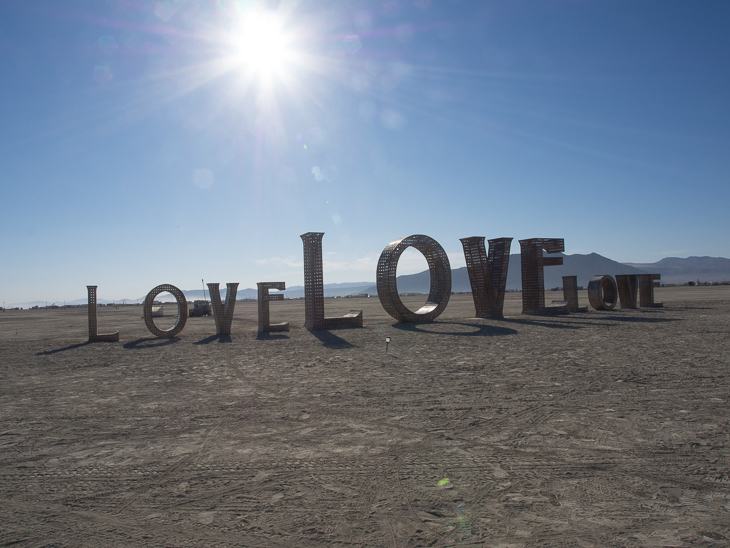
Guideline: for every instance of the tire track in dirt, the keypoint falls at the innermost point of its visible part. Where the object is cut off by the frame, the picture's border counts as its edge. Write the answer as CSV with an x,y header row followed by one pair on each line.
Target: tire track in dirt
x,y
169,473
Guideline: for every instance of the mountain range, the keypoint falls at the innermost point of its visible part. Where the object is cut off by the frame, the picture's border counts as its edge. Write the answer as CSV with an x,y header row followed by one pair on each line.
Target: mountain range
x,y
691,269
583,266
673,270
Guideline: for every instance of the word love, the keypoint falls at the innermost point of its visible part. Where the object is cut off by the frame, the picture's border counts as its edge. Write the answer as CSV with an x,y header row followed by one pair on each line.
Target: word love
x,y
487,275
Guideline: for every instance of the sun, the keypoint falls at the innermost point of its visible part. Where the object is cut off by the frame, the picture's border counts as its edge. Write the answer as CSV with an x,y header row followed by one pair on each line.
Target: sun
x,y
261,44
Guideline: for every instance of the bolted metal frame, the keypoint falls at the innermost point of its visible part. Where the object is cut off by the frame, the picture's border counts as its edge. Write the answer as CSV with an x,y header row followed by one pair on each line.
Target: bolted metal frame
x,y
223,313
628,289
314,289
646,290
93,335
263,301
182,311
602,292
533,278
487,273
438,266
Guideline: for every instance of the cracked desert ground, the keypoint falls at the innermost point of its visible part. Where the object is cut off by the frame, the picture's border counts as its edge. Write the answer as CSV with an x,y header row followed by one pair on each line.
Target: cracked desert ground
x,y
605,428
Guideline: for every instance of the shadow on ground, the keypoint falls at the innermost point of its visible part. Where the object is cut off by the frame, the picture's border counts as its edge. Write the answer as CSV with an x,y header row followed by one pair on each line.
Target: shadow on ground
x,y
330,340
271,336
220,338
452,328
70,347
150,342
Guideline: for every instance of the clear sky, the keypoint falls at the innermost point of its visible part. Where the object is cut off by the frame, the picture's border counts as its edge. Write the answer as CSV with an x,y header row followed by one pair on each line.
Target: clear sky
x,y
147,142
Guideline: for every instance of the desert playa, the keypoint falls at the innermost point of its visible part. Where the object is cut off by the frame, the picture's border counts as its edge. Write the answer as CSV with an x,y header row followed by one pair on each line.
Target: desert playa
x,y
592,429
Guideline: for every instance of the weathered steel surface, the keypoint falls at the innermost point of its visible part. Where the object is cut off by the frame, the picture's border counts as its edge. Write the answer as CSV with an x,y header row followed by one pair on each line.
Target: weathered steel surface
x,y
487,273
438,267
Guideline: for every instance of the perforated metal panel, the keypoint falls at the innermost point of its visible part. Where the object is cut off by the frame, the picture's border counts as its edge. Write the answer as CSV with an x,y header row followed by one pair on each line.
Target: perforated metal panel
x,y
314,289
93,335
182,311
487,273
438,267
646,290
223,313
533,279
628,289
602,292
570,292
264,298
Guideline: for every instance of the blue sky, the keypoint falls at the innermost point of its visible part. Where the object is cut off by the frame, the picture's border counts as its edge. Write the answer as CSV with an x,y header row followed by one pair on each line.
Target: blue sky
x,y
141,143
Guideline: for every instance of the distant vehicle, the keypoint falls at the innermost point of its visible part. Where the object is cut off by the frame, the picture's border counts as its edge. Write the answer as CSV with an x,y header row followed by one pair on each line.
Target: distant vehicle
x,y
200,308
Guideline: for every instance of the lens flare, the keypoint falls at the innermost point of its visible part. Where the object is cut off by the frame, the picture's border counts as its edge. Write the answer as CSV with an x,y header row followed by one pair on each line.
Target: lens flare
x,y
261,44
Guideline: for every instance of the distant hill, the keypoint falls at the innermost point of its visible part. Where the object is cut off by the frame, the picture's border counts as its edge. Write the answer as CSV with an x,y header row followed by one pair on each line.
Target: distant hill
x,y
680,271
293,292
673,270
330,290
582,266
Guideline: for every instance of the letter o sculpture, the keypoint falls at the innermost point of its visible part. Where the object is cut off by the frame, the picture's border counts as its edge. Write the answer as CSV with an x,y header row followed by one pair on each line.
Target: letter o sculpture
x,y
182,311
602,292
438,267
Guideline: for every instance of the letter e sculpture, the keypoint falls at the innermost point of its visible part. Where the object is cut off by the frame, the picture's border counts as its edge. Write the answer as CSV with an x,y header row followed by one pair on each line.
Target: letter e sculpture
x,y
646,290
264,299
533,277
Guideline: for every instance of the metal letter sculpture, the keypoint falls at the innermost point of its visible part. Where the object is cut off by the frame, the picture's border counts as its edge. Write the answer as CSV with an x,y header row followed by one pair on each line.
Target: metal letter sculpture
x,y
628,289
570,293
223,313
264,299
487,274
602,292
533,278
646,290
438,267
314,289
182,311
93,335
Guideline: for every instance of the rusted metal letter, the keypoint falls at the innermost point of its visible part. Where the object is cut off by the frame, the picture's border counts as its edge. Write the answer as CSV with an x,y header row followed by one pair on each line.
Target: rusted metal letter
x,y
182,311
487,274
602,292
264,299
438,267
314,289
93,335
223,313
533,279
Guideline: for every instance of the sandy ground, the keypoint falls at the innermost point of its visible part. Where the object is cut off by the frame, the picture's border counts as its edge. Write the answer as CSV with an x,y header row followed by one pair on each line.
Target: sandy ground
x,y
594,429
